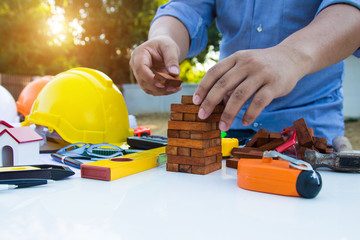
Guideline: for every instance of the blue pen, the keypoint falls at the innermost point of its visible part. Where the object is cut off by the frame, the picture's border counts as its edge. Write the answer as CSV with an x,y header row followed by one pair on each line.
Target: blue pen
x,y
66,160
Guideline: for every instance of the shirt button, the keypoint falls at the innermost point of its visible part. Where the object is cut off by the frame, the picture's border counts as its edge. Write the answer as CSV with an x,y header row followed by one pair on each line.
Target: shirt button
x,y
255,124
259,28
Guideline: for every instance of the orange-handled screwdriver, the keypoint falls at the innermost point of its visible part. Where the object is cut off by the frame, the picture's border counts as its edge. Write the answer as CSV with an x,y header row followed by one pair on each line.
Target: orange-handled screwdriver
x,y
286,176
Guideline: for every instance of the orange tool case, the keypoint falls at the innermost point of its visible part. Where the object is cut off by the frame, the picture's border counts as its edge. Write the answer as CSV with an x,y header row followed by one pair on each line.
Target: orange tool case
x,y
285,177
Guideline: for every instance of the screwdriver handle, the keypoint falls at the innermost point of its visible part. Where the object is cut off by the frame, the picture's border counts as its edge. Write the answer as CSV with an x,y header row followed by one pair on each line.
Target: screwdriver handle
x,y
342,161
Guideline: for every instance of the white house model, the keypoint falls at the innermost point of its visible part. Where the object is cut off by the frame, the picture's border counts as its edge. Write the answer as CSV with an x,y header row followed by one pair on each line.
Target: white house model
x,y
18,146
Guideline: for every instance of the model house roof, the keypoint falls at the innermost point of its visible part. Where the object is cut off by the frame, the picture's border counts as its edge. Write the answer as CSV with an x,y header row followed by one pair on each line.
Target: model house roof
x,y
4,125
22,134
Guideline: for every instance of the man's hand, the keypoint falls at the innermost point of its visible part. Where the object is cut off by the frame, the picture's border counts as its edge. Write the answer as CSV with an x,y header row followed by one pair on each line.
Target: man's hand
x,y
263,75
159,54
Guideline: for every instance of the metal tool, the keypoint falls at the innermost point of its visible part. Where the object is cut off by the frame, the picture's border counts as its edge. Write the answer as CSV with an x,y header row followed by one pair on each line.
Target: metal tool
x,y
337,161
91,152
66,160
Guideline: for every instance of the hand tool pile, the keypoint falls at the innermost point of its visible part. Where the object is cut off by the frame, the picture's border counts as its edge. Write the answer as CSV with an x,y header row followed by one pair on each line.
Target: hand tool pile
x,y
307,147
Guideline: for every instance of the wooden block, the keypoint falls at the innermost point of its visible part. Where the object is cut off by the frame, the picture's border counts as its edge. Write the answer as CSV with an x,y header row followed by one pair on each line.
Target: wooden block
x,y
172,167
329,150
172,133
205,135
243,149
214,117
320,143
275,135
167,80
219,157
190,143
286,128
254,139
303,135
214,142
194,161
263,137
173,150
311,131
185,168
187,99
206,169
252,155
190,117
300,152
271,145
256,154
183,151
205,152
185,108
184,133
232,162
197,126
177,116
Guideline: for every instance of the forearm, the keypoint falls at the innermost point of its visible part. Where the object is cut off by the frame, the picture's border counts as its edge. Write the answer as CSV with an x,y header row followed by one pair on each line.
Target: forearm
x,y
173,28
331,37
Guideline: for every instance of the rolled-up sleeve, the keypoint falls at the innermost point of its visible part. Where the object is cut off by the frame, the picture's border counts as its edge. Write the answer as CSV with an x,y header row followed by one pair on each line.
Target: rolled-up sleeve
x,y
355,3
195,15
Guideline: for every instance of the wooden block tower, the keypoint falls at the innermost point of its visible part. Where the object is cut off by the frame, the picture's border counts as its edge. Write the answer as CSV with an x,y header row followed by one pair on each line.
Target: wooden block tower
x,y
194,144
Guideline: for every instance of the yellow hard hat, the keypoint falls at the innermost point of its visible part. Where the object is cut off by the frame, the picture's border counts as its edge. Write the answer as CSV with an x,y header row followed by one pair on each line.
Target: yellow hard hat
x,y
82,105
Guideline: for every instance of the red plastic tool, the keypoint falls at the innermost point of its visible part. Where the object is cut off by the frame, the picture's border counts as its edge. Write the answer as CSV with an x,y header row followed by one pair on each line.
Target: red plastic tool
x,y
141,131
289,143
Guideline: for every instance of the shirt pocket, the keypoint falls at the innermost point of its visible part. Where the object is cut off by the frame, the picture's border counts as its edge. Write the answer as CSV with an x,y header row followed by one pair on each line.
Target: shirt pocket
x,y
297,14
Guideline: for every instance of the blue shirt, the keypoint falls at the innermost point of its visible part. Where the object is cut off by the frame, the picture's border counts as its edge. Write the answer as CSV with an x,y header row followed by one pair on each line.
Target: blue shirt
x,y
256,24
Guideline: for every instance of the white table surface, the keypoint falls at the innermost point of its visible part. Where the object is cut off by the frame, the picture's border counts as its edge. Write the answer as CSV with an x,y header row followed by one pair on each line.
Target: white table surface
x,y
157,204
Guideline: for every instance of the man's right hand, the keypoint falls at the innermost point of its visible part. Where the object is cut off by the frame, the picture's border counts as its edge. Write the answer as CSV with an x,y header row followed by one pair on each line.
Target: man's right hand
x,y
159,54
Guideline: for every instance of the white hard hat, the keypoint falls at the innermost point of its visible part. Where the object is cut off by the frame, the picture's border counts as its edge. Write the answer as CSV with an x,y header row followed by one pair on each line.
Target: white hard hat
x,y
8,111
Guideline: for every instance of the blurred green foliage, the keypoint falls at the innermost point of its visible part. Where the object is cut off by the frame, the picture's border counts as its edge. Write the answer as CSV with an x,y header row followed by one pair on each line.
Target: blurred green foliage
x,y
45,37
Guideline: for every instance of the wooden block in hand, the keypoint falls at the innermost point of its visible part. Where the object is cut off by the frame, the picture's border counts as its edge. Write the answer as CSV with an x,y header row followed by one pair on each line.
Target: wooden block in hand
x,y
187,99
205,134
193,117
187,108
167,80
